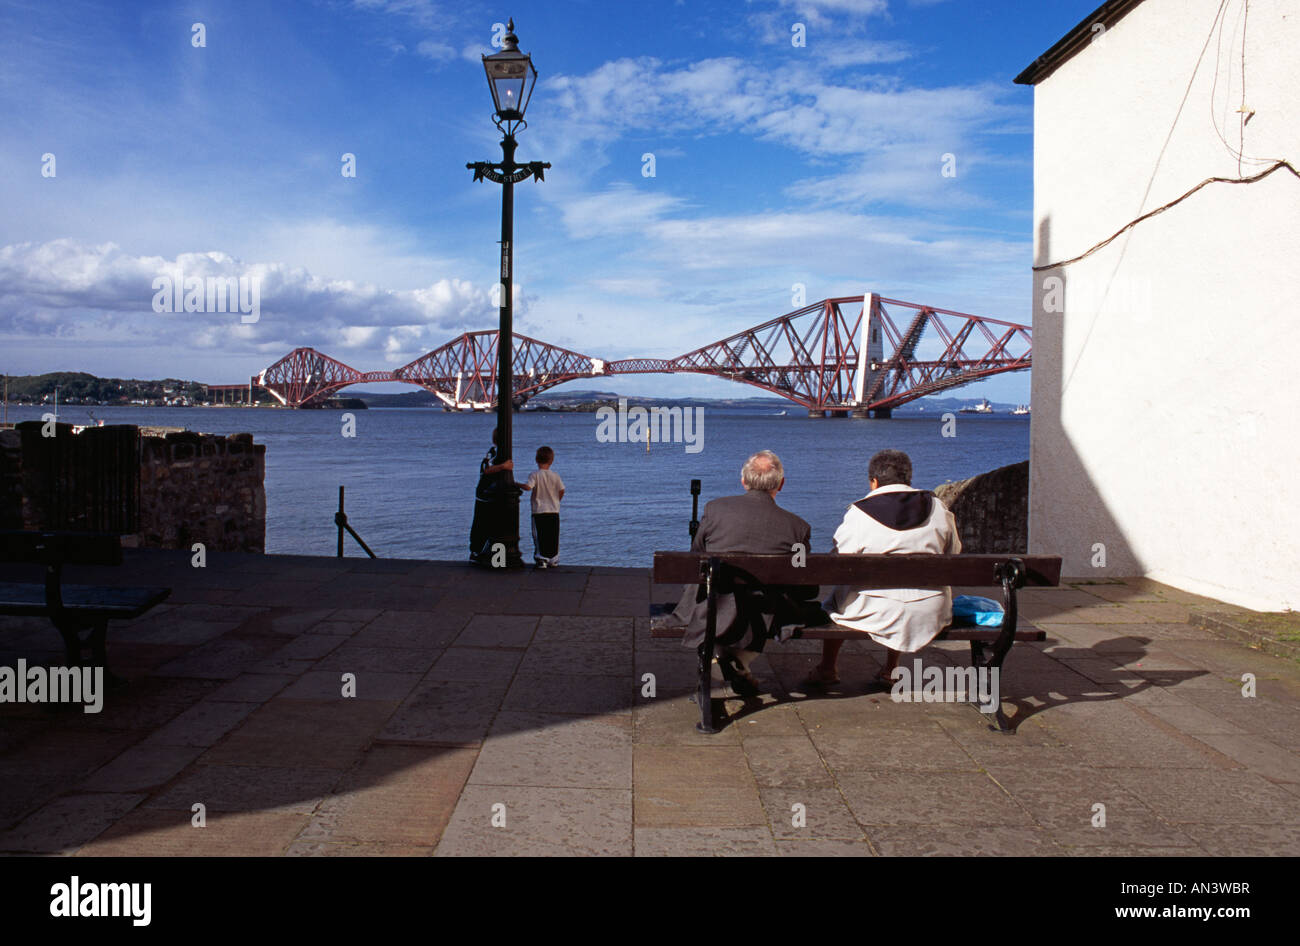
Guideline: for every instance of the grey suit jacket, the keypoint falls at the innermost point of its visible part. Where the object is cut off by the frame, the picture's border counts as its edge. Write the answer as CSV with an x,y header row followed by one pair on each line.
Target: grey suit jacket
x,y
751,522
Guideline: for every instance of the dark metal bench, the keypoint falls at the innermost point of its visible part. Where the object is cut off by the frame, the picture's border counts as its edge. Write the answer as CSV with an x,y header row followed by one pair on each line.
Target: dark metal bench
x,y
72,608
988,645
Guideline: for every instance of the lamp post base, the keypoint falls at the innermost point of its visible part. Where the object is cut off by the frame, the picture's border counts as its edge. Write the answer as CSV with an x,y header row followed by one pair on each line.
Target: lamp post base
x,y
494,535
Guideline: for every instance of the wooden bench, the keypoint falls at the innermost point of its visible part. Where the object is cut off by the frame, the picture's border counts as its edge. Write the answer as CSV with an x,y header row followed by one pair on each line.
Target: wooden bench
x,y
72,608
988,645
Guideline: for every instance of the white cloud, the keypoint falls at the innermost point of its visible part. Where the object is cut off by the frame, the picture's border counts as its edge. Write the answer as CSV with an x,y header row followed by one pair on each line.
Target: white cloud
x,y
436,22
793,104
819,8
438,52
424,13
644,286
621,209
101,293
851,52
843,15
888,138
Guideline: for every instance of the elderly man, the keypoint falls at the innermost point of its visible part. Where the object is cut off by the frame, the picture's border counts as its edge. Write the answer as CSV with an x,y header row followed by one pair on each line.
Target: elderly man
x,y
751,522
892,518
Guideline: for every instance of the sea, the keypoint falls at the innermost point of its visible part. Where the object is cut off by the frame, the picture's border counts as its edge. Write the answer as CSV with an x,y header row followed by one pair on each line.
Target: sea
x,y
409,473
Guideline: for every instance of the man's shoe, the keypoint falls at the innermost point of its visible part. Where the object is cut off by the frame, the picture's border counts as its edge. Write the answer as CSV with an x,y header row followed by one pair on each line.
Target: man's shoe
x,y
740,679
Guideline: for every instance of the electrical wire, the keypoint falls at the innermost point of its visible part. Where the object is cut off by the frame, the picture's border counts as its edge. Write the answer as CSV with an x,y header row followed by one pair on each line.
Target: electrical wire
x,y
1173,203
1276,163
1244,115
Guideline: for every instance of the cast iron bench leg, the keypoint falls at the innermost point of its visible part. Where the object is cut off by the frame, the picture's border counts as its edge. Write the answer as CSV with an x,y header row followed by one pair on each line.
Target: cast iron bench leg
x,y
979,658
71,644
705,694
1011,574
97,639
99,654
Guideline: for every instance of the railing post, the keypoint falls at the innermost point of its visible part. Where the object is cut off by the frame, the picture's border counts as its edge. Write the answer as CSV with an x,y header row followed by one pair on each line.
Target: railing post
x,y
340,520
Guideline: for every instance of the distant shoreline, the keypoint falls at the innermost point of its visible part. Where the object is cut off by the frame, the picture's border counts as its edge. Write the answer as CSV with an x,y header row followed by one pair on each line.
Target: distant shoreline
x,y
80,389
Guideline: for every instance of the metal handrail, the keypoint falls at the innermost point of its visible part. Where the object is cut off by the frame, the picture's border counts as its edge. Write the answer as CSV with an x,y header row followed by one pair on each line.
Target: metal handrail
x,y
341,520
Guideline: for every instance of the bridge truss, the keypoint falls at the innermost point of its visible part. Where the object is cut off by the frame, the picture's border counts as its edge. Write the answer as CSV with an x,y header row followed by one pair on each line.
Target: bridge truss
x,y
825,357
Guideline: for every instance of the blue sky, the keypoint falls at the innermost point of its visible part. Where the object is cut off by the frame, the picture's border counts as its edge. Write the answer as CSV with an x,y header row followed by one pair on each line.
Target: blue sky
x,y
774,165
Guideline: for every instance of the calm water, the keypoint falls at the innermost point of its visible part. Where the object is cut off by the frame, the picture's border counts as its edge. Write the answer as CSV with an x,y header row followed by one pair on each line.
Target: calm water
x,y
410,473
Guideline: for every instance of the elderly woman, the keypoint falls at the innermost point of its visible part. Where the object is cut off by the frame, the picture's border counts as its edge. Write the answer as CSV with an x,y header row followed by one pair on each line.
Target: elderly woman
x,y
893,518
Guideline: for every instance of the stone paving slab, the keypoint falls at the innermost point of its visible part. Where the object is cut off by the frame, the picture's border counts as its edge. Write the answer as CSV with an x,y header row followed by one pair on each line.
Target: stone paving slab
x,y
155,833
142,767
67,822
397,795
475,664
365,685
527,690
796,814
445,712
576,694
710,841
203,724
246,788
933,798
547,750
786,762
496,820
974,841
694,785
309,734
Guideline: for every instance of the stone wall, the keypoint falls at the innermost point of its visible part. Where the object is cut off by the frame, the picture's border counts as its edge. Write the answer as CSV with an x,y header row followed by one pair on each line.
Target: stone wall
x,y
992,509
202,488
163,492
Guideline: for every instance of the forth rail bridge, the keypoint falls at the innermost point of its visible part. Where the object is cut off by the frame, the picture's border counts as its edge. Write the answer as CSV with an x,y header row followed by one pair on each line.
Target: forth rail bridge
x,y
825,357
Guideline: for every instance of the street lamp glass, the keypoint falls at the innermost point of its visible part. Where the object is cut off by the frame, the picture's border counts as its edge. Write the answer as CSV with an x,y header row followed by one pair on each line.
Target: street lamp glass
x,y
511,77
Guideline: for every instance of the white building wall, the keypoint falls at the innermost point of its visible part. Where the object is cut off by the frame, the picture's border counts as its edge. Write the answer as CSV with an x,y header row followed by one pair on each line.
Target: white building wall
x,y
1166,394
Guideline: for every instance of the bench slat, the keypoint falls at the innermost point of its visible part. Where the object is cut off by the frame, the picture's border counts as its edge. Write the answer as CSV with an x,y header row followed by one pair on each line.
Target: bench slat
x,y
20,598
876,571
835,632
68,548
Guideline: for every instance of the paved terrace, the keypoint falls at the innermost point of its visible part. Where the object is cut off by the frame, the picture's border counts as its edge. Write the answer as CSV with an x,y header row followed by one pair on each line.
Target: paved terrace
x,y
524,690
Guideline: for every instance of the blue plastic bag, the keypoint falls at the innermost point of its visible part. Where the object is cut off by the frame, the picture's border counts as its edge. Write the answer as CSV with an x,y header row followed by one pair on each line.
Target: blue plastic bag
x,y
972,609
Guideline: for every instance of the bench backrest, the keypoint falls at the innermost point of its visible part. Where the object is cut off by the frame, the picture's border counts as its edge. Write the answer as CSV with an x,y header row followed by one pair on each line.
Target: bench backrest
x,y
876,571
61,548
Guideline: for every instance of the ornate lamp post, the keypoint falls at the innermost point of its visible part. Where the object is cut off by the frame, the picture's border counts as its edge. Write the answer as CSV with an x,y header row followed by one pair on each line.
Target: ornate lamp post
x,y
511,77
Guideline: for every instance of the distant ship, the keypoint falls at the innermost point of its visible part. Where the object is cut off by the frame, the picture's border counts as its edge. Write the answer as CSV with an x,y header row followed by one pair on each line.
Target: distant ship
x,y
1021,409
983,407
779,414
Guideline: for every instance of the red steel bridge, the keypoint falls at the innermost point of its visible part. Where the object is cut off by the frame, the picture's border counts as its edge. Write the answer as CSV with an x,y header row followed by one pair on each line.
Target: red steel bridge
x,y
825,357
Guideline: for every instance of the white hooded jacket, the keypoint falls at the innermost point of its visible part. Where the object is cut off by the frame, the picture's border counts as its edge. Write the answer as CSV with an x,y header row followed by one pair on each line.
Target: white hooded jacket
x,y
896,519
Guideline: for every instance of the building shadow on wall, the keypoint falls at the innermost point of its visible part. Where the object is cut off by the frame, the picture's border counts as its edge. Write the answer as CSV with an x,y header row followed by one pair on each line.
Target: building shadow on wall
x,y
1067,514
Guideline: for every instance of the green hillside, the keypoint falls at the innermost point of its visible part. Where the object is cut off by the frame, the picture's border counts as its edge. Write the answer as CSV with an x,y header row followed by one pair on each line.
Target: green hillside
x,y
77,387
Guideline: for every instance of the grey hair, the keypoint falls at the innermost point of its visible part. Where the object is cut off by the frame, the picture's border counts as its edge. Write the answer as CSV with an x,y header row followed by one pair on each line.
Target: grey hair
x,y
889,467
762,472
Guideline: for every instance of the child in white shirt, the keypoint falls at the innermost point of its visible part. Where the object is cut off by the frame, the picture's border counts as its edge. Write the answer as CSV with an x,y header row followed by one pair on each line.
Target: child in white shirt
x,y
547,489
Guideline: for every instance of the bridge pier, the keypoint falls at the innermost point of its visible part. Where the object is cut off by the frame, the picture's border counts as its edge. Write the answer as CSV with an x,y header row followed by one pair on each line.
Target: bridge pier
x,y
858,413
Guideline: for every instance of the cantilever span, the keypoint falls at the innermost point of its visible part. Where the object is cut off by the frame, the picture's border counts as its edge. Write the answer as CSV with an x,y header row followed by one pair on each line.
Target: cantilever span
x,y
825,356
